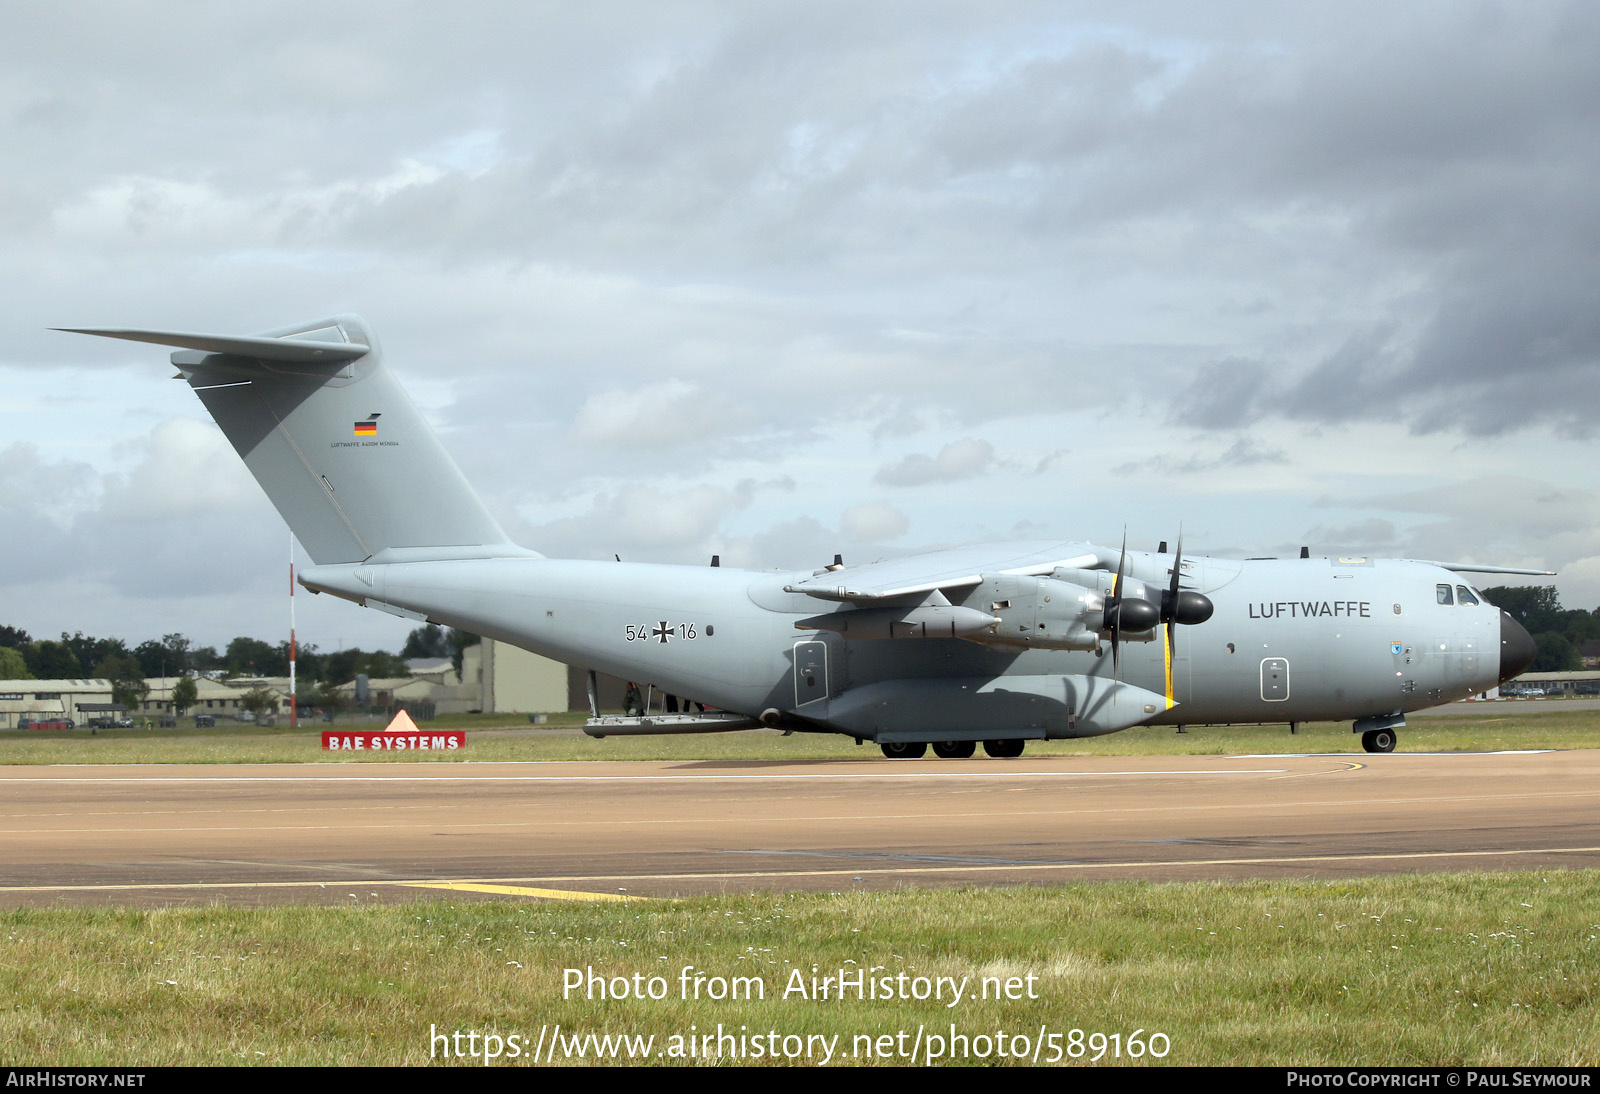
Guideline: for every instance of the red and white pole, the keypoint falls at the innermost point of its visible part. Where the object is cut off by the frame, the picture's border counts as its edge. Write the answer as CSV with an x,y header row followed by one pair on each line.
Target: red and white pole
x,y
294,707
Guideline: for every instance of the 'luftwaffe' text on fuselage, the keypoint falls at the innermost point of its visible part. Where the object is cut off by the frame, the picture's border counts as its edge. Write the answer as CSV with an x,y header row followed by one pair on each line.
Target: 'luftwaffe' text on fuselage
x,y
1311,609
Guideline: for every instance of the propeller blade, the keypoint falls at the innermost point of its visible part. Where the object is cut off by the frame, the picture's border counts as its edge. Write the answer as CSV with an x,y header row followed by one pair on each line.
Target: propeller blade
x,y
1116,612
1170,608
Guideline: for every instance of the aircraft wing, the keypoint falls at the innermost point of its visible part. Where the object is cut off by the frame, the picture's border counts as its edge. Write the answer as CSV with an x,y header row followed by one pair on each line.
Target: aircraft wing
x,y
1474,568
956,568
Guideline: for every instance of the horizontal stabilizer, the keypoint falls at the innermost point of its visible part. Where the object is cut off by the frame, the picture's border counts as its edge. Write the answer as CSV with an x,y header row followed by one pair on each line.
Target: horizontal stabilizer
x,y
297,350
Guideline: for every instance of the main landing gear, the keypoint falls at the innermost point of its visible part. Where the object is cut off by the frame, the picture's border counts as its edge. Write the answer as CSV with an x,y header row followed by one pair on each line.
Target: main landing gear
x,y
951,750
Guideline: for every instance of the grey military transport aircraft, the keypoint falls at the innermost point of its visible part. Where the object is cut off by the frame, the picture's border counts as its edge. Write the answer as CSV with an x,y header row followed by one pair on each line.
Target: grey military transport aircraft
x,y
995,644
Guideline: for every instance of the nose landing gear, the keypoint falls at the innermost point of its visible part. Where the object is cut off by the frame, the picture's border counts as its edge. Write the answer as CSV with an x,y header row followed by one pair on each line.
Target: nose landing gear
x,y
1378,740
1378,733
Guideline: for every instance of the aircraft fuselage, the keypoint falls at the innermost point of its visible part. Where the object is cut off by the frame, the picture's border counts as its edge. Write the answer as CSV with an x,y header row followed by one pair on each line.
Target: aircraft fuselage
x,y
1290,640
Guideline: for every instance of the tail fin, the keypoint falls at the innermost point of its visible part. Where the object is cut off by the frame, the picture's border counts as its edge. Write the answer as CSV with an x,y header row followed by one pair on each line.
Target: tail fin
x,y
334,441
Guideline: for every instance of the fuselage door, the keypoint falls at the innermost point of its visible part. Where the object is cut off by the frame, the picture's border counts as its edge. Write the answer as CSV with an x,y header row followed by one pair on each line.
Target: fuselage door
x,y
810,672
1275,679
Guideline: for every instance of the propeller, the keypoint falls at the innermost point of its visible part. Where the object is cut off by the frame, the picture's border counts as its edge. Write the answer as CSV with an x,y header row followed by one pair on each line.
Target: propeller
x,y
1126,612
1114,612
1169,602
1181,606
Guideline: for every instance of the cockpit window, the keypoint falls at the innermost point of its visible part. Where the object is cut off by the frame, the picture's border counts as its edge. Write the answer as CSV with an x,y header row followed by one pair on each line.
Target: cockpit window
x,y
1444,594
1464,595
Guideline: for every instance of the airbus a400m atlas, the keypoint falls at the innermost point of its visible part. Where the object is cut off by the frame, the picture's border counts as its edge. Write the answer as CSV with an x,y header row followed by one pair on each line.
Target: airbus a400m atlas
x,y
996,644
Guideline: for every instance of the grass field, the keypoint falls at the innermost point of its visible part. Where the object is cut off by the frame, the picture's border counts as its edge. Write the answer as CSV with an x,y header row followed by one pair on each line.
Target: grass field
x,y
1435,969
508,738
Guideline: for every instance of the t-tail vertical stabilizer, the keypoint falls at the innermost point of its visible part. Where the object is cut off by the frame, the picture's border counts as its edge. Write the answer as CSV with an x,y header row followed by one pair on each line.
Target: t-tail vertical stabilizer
x,y
335,442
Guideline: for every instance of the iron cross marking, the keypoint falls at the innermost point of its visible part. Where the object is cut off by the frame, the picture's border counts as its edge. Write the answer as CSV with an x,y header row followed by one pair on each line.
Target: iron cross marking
x,y
663,632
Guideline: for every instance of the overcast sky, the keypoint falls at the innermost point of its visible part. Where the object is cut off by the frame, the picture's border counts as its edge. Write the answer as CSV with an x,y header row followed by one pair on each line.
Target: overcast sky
x,y
777,280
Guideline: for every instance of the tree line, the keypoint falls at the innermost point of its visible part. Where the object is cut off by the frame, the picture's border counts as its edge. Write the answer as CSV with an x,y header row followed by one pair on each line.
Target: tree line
x,y
79,656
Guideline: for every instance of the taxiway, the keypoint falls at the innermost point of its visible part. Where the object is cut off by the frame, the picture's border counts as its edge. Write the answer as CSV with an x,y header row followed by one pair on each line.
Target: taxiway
x,y
322,833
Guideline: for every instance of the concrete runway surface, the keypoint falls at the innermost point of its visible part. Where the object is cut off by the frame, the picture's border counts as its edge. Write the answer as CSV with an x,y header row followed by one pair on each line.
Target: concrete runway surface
x,y
327,833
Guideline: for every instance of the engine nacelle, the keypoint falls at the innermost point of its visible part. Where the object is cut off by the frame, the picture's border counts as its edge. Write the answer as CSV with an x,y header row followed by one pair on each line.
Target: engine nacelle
x,y
1038,612
1141,612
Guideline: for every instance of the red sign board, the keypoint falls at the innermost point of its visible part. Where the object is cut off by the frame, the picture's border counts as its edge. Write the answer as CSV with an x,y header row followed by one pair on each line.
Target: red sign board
x,y
440,740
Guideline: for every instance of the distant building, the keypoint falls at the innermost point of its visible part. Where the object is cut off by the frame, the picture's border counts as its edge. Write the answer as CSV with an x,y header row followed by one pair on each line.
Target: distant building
x,y
49,700
217,697
1582,682
499,678
387,691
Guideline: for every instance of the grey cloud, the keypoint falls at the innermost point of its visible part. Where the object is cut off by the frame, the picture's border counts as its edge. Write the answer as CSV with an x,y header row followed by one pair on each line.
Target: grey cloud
x,y
1224,395
967,458
1535,524
39,493
874,522
1243,452
1357,381
1529,509
1372,534
802,152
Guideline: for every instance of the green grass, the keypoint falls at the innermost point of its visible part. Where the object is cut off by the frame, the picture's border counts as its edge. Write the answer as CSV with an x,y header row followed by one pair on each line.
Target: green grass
x,y
509,738
1485,969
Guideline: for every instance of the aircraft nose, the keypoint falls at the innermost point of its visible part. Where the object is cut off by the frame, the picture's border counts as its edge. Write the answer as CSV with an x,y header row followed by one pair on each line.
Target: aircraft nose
x,y
1517,650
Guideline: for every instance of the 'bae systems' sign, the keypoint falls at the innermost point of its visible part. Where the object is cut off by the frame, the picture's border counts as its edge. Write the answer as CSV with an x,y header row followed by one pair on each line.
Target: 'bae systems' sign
x,y
400,735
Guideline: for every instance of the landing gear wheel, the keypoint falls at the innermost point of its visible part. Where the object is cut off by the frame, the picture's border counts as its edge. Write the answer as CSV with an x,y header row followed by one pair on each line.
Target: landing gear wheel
x,y
901,750
1378,740
954,750
1004,750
